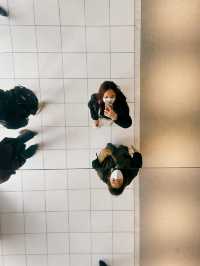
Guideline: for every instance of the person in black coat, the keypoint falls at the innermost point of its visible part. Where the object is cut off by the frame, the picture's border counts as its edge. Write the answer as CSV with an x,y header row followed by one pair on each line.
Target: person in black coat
x,y
3,12
110,103
117,166
16,105
13,153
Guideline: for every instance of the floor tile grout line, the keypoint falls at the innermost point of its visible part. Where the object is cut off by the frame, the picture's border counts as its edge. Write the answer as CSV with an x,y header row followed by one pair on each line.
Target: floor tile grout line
x,y
67,237
67,26
89,131
41,125
63,52
111,131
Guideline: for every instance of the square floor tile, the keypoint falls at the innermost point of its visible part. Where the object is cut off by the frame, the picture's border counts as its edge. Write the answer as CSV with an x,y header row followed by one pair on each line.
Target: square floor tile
x,y
77,137
50,65
127,260
97,12
51,163
79,200
76,115
14,260
122,12
36,244
6,66
35,223
123,243
123,221
57,222
26,65
98,39
52,90
101,221
79,221
46,16
77,259
72,12
55,260
53,115
74,65
102,243
12,223
21,12
24,39
58,243
80,243
125,201
13,244
73,39
54,137
78,159
126,41
34,201
5,44
75,90
101,199
98,65
33,180
55,179
79,179
56,200
99,137
48,39
122,65
39,260
10,202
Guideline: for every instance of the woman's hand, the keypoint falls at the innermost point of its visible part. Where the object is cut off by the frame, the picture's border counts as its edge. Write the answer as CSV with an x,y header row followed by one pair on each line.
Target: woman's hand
x,y
110,113
103,154
97,123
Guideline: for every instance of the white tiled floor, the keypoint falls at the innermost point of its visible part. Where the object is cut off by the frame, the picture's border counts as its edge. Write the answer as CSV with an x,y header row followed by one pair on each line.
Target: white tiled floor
x,y
56,211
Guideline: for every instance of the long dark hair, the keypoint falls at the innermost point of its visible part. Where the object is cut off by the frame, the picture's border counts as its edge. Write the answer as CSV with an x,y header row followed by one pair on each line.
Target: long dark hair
x,y
115,191
110,85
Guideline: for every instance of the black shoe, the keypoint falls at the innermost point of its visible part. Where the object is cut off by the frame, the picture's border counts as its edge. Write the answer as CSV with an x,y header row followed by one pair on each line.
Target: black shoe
x,y
3,12
102,263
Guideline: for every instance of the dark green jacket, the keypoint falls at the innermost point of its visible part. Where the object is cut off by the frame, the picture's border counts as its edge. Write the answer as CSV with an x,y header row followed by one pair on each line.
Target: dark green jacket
x,y
10,157
16,105
120,159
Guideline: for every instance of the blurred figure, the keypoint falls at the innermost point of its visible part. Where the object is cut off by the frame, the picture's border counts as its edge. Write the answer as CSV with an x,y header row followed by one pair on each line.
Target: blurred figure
x,y
3,12
13,153
16,105
110,103
102,263
117,166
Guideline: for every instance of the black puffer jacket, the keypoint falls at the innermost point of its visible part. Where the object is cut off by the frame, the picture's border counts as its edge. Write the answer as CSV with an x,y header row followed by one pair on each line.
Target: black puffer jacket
x,y
122,160
16,105
10,157
120,107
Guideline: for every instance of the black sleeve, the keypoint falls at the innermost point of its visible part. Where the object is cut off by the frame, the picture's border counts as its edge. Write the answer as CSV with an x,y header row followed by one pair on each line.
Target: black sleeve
x,y
96,165
5,175
123,118
94,107
137,160
136,164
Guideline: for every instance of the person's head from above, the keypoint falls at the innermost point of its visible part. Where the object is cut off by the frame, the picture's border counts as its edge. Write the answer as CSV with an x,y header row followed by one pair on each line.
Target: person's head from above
x,y
116,182
109,92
